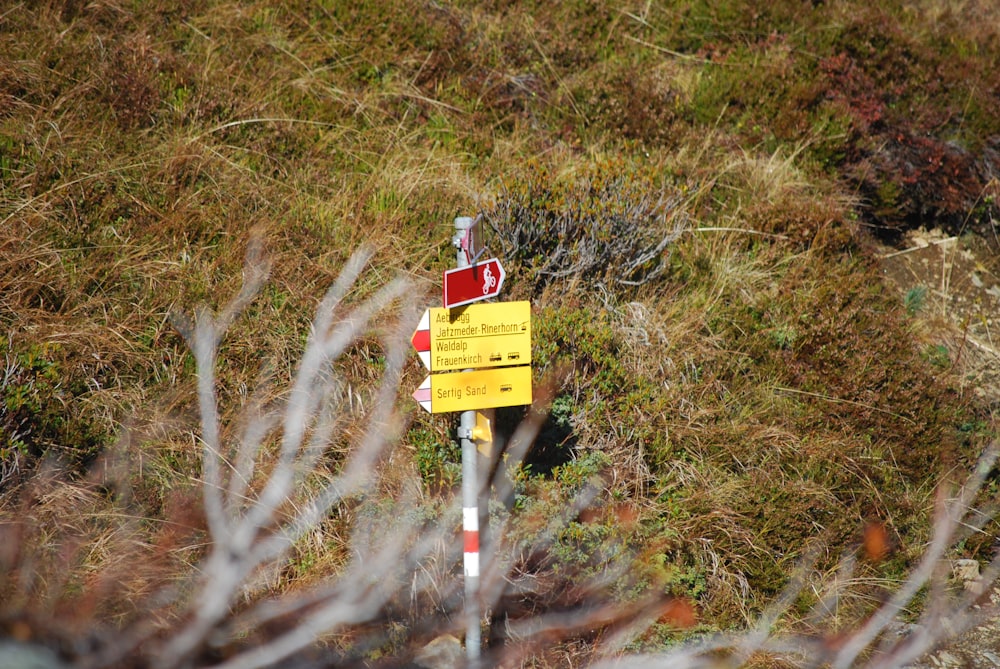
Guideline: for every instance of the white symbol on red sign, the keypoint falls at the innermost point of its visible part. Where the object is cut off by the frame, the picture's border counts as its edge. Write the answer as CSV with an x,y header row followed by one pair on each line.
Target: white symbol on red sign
x,y
473,283
488,280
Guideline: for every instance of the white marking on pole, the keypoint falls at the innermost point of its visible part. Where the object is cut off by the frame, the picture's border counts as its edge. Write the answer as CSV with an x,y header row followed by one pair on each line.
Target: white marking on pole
x,y
472,565
470,533
470,518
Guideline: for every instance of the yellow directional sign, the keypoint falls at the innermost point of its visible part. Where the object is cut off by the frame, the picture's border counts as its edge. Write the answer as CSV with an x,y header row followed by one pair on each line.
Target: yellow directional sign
x,y
476,389
474,337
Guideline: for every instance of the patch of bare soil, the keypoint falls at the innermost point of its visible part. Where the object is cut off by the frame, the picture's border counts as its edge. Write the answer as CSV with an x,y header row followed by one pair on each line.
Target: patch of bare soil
x,y
952,285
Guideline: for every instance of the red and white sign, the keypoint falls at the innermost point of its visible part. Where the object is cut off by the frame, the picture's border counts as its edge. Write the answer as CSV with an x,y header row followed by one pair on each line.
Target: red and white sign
x,y
421,339
423,395
466,285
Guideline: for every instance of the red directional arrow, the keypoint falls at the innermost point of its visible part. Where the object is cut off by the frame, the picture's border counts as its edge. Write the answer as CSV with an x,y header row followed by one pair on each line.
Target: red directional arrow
x,y
466,285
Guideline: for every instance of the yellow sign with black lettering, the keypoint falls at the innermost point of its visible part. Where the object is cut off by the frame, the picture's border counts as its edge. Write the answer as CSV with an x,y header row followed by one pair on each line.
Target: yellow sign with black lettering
x,y
480,389
476,336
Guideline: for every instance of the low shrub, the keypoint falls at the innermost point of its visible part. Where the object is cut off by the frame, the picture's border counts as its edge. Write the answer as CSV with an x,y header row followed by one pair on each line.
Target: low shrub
x,y
609,224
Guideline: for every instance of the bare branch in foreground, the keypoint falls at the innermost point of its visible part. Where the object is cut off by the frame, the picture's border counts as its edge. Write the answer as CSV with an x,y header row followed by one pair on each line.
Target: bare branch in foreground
x,y
247,533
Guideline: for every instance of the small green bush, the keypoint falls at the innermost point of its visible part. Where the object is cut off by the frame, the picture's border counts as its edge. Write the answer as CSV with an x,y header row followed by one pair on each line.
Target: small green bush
x,y
439,463
34,418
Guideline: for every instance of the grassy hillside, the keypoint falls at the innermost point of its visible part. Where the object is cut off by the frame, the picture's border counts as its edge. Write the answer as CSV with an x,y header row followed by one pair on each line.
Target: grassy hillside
x,y
693,196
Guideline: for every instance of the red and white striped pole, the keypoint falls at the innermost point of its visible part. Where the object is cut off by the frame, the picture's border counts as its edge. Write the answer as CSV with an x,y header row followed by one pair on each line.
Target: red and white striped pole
x,y
470,490
470,528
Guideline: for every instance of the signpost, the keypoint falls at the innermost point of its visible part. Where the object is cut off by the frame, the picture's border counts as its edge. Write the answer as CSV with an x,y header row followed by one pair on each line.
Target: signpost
x,y
484,351
474,283
480,335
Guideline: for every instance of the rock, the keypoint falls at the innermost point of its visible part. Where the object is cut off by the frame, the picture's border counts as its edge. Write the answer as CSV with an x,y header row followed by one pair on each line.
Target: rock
x,y
992,657
947,659
16,655
444,652
967,571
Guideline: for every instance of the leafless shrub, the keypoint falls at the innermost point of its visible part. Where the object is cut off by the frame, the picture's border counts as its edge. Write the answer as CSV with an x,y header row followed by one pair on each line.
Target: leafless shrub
x,y
597,227
255,518
251,529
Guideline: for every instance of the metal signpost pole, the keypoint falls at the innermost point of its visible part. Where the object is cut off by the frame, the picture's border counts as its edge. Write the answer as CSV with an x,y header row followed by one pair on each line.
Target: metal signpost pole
x,y
470,495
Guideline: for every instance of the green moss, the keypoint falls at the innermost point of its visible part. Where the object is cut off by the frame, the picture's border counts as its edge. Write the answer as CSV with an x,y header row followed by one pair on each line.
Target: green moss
x,y
40,414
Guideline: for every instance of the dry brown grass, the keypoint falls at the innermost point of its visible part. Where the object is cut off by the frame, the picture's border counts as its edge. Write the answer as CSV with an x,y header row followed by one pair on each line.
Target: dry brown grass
x,y
757,398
